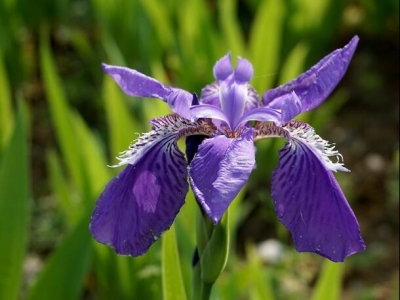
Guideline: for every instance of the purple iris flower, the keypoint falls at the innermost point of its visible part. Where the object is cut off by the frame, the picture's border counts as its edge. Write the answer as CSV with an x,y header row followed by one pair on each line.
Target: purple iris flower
x,y
139,204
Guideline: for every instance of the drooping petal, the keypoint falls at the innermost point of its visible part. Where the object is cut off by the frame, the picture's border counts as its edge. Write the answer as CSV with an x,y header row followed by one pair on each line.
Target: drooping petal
x,y
322,149
136,84
139,204
220,169
315,85
310,203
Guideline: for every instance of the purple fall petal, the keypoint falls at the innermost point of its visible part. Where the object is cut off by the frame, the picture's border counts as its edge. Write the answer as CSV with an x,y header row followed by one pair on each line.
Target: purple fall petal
x,y
220,169
315,85
139,204
310,203
136,84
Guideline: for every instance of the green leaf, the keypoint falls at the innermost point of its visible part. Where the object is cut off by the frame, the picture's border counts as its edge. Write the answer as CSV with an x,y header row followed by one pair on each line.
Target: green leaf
x,y
173,285
294,63
265,43
329,284
14,208
121,127
6,112
230,27
59,109
260,285
61,190
215,255
62,277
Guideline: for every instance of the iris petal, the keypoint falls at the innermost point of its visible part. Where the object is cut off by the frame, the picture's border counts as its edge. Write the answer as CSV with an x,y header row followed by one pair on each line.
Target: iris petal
x,y
136,84
315,85
310,203
139,204
223,67
220,169
261,114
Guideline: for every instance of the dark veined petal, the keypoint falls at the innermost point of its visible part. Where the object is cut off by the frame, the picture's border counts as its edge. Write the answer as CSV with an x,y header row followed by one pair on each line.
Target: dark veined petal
x,y
310,203
139,204
136,84
210,94
315,85
220,169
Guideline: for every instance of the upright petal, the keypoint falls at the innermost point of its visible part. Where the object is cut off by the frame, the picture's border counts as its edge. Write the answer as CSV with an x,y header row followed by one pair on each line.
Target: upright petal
x,y
136,84
315,85
220,169
223,67
139,204
310,203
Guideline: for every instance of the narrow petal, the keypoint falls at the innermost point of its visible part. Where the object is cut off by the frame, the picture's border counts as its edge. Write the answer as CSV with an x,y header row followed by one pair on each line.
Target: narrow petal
x,y
310,203
220,169
139,204
261,114
223,67
233,100
207,111
315,85
136,84
244,71
288,104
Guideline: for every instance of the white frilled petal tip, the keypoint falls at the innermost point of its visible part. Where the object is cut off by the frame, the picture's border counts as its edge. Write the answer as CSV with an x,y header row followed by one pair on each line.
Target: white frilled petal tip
x,y
322,149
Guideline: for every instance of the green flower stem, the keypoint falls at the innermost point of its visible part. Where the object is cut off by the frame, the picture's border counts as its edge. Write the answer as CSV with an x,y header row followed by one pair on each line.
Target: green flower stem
x,y
213,248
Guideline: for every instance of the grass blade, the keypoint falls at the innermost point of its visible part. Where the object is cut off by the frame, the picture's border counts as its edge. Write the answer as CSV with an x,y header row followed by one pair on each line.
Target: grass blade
x,y
173,286
329,285
265,43
64,273
14,208
6,113
59,109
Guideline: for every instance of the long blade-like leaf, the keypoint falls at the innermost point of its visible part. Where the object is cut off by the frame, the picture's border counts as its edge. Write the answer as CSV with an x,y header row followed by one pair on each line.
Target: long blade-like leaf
x,y
14,209
59,109
329,284
63,275
6,113
265,43
173,286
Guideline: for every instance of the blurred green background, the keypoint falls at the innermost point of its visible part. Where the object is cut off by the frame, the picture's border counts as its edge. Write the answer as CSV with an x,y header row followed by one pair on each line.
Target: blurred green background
x,y
62,121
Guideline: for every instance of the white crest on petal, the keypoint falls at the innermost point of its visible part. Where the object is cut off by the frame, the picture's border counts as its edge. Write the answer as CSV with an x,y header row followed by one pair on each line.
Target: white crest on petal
x,y
305,134
167,129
